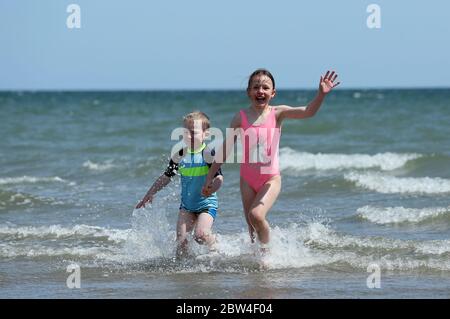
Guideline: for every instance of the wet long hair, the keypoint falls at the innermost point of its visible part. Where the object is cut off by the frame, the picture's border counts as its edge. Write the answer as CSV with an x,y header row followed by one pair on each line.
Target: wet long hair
x,y
260,72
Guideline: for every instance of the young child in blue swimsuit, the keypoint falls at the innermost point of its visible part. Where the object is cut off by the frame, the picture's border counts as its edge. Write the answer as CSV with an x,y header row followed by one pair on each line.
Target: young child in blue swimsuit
x,y
197,212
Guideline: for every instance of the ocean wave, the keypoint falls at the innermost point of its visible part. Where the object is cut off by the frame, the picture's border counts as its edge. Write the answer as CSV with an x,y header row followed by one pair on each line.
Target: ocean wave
x,y
435,247
9,232
393,263
30,180
153,248
40,251
322,236
394,215
99,166
290,158
315,245
15,199
297,246
391,185
11,200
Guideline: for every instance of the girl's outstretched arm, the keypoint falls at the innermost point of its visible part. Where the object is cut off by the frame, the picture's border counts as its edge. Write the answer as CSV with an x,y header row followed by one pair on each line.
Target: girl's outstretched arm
x,y
327,83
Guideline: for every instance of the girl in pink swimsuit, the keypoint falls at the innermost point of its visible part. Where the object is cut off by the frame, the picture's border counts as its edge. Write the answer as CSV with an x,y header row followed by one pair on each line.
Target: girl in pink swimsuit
x,y
259,140
259,127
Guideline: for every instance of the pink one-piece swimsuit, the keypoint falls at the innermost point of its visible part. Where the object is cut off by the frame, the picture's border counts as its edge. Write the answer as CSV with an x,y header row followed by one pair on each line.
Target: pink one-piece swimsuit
x,y
263,139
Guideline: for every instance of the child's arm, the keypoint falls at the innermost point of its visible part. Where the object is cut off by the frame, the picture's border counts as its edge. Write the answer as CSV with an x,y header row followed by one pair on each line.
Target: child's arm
x,y
163,180
216,183
327,83
159,184
221,156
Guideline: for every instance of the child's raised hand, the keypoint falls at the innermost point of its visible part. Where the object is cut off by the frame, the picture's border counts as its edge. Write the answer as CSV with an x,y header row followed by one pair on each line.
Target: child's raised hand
x,y
327,82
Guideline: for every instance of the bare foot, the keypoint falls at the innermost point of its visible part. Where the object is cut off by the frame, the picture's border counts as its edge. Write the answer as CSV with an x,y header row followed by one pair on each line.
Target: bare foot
x,y
264,263
264,252
182,252
264,248
213,245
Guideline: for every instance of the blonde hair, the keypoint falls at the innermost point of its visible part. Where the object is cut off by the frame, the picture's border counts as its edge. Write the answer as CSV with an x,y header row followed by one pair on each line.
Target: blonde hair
x,y
196,116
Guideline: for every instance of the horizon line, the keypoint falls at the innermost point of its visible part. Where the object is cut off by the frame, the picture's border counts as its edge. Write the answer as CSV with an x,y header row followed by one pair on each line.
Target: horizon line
x,y
28,90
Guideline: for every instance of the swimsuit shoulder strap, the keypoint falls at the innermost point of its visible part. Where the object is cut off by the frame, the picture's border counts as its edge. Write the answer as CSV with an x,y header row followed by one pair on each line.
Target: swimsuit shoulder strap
x,y
273,116
244,120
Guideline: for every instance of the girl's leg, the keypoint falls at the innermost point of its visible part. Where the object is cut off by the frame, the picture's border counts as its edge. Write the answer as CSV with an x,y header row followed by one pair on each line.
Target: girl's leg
x,y
203,233
248,195
262,203
185,225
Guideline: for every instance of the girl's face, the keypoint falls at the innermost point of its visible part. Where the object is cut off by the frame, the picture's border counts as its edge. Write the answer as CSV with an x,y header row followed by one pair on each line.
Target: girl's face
x,y
194,135
261,91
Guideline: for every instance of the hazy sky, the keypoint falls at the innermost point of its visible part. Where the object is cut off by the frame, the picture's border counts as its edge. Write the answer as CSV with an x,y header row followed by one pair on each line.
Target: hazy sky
x,y
180,44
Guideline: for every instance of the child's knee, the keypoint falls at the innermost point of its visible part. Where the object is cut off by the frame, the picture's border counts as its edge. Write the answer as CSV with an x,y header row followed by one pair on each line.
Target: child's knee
x,y
256,217
182,241
201,236
181,236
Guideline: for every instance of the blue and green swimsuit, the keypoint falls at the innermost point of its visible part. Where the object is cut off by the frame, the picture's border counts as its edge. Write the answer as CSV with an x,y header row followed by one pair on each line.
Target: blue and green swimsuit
x,y
193,166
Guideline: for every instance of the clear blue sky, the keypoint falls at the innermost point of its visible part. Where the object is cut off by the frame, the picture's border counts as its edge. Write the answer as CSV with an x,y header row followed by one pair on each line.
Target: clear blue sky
x,y
209,44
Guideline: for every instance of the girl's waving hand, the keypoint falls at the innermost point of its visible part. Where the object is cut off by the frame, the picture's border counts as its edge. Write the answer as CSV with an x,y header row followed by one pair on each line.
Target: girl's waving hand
x,y
327,82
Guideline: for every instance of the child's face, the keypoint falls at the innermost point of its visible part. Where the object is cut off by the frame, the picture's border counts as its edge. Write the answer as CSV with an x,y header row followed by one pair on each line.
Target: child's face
x,y
194,135
261,91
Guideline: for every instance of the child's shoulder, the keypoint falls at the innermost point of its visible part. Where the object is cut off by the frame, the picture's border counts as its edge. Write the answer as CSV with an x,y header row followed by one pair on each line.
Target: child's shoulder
x,y
209,150
178,154
280,107
208,153
236,121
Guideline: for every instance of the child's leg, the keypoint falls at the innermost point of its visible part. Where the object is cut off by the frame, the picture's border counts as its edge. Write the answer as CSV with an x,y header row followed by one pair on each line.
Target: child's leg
x,y
203,233
185,224
248,195
262,203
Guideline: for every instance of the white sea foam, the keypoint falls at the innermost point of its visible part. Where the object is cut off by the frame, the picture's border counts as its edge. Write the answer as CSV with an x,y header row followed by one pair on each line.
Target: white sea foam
x,y
394,263
151,235
435,247
11,199
390,184
316,244
58,231
289,249
98,166
8,250
290,158
152,239
30,180
324,236
20,199
321,236
393,215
